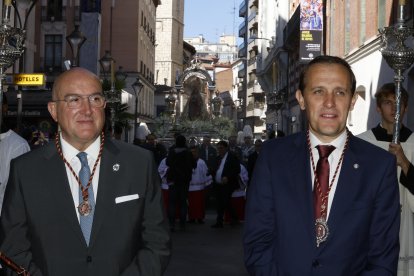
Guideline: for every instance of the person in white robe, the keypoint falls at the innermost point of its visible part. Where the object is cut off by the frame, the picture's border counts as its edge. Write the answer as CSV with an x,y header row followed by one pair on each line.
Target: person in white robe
x,y
381,135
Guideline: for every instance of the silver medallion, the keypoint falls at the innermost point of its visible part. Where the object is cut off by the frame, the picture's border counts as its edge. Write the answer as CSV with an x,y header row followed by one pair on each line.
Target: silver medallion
x,y
84,208
322,231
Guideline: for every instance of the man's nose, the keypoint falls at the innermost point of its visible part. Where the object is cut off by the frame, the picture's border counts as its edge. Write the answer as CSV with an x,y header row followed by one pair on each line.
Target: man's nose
x,y
85,104
329,99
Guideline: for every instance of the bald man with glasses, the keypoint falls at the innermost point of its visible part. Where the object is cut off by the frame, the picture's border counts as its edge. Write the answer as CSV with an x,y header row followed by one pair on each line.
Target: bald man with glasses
x,y
85,204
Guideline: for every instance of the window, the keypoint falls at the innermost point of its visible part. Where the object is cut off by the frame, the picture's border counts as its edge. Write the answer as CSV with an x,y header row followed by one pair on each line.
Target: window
x,y
91,6
54,10
53,52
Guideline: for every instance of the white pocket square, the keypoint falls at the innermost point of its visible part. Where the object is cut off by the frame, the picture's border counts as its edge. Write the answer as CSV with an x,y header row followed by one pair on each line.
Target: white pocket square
x,y
121,199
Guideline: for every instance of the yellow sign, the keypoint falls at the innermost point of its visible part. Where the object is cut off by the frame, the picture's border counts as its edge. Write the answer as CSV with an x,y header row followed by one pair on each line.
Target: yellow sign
x,y
29,79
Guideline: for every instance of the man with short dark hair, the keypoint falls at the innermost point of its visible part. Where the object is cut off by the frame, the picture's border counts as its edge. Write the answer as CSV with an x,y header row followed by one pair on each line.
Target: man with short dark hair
x,y
323,202
207,152
226,176
180,164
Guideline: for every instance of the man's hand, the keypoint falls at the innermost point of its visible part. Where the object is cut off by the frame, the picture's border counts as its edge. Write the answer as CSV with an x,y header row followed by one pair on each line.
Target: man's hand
x,y
402,160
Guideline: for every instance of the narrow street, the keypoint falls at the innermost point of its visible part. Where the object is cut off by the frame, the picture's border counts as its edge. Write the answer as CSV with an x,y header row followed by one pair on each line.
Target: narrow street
x,y
204,251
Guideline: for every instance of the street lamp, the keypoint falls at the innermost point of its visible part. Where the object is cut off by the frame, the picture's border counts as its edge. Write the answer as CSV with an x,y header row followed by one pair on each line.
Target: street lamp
x,y
112,95
11,46
137,87
27,6
121,74
75,40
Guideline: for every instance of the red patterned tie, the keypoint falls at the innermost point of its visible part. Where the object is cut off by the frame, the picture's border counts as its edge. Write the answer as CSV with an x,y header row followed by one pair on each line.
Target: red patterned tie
x,y
322,174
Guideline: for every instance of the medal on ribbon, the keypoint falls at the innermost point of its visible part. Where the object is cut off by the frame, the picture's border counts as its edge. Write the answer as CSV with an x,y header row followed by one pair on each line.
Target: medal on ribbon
x,y
322,231
84,208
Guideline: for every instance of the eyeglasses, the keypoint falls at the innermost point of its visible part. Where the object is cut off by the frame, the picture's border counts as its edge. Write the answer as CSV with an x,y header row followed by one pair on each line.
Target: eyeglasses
x,y
75,101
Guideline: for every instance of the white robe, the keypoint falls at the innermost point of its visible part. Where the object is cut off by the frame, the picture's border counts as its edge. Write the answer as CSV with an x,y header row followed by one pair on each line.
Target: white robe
x,y
406,259
200,178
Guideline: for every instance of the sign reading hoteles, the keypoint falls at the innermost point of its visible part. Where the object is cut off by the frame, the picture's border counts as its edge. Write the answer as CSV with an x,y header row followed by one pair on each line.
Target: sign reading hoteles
x,y
26,79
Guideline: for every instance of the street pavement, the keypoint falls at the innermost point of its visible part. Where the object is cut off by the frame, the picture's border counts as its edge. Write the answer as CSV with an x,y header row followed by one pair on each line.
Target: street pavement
x,y
204,251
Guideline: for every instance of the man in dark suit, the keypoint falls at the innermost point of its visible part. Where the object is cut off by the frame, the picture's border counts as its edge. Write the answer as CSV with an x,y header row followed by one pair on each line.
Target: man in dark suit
x,y
86,204
207,152
311,212
226,178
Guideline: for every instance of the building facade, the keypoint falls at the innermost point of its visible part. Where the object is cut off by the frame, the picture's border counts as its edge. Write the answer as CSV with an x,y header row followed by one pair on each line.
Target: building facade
x,y
106,26
348,34
169,51
225,50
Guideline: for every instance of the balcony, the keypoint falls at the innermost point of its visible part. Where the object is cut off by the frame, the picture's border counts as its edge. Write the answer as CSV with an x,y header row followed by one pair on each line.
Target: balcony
x,y
242,72
251,60
242,29
242,50
242,9
252,16
254,3
241,93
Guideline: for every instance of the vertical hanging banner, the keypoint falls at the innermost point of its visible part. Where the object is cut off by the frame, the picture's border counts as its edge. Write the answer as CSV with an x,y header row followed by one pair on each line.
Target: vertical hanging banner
x,y
311,27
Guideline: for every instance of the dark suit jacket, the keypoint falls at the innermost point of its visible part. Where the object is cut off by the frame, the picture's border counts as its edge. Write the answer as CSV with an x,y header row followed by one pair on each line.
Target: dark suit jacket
x,y
231,169
40,230
364,219
212,156
251,161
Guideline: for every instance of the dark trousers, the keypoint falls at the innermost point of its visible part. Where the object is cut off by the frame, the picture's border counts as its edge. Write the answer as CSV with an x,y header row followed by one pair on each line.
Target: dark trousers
x,y
223,194
177,195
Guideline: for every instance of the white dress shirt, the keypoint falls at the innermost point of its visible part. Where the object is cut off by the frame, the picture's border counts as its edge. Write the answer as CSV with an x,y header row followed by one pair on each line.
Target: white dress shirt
x,y
220,169
11,146
69,152
339,144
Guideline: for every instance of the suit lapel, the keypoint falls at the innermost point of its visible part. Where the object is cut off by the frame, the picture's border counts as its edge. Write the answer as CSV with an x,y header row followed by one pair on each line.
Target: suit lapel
x,y
348,185
302,183
106,188
59,186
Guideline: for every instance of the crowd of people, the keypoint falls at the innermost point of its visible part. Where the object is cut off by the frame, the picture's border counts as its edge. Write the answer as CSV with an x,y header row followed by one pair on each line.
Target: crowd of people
x,y
195,172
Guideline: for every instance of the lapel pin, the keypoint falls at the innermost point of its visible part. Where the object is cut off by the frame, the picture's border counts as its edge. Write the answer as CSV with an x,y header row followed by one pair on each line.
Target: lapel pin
x,y
115,167
356,166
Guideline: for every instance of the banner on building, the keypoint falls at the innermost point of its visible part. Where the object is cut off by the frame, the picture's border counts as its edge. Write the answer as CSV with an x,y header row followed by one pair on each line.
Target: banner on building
x,y
311,27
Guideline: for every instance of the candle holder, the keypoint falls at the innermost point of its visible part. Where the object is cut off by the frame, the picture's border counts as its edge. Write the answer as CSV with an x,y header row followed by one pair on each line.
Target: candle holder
x,y
11,48
399,57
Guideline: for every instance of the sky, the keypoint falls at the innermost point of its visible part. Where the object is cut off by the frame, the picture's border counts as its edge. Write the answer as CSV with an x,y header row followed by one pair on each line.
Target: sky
x,y
211,18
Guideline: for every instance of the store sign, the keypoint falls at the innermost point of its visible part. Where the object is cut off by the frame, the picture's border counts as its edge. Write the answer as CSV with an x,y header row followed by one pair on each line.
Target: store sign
x,y
29,79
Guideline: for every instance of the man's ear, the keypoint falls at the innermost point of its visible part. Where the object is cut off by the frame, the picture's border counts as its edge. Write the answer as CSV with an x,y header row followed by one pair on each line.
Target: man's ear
x,y
51,106
300,99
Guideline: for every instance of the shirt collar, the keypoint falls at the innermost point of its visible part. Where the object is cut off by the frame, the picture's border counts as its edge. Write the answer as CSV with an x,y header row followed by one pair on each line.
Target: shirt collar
x,y
70,152
338,143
